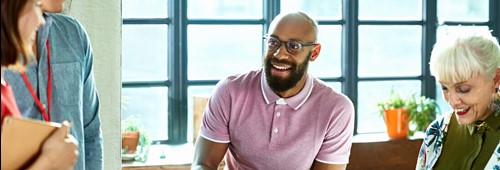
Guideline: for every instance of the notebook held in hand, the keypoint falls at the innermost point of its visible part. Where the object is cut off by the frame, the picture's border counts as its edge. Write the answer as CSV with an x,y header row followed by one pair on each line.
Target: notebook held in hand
x,y
22,139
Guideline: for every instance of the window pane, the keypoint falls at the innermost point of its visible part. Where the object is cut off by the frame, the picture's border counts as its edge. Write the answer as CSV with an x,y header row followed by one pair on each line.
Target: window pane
x,y
198,91
328,64
319,9
443,31
144,9
216,51
390,9
151,105
462,10
389,51
337,86
372,92
225,9
144,52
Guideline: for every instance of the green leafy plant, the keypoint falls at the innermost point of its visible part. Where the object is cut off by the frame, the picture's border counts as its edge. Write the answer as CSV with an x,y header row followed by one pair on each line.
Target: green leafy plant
x,y
395,101
422,111
133,124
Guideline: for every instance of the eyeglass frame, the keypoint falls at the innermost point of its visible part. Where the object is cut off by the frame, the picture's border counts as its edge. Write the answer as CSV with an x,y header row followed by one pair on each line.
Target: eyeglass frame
x,y
287,46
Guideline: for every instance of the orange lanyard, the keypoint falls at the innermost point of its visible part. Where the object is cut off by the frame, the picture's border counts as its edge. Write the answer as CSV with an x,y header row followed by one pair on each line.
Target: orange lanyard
x,y
45,114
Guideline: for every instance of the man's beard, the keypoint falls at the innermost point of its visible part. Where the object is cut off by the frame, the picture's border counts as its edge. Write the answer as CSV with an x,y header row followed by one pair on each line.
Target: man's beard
x,y
279,84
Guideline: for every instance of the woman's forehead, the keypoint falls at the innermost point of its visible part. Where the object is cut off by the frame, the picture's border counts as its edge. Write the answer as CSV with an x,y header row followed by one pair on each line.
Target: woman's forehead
x,y
479,80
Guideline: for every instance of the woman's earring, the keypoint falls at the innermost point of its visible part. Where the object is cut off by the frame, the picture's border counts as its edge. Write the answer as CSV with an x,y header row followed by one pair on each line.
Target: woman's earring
x,y
495,103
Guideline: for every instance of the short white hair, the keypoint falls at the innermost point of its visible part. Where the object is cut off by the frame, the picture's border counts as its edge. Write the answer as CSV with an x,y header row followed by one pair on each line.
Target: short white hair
x,y
467,53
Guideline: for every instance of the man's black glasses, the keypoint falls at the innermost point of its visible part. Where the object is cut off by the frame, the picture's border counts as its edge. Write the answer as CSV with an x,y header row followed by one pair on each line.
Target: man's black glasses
x,y
293,47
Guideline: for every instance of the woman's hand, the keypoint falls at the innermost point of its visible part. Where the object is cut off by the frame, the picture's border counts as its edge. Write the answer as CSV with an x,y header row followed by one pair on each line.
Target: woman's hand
x,y
59,151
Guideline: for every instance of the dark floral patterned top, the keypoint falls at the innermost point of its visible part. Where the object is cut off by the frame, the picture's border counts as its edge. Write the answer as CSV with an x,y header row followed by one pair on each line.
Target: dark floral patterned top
x,y
432,145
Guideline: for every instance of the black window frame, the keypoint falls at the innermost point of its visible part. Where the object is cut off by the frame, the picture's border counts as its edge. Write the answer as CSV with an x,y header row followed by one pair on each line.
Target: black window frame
x,y
178,82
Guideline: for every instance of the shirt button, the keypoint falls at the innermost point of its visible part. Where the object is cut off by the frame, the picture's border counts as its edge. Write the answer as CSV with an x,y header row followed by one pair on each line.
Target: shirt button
x,y
275,130
278,114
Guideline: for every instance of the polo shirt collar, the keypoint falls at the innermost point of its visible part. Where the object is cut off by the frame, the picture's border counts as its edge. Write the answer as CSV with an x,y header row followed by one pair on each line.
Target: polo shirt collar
x,y
295,101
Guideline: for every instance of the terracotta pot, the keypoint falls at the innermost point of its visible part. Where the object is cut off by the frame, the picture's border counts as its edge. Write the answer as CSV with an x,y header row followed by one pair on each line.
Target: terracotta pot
x,y
130,140
396,121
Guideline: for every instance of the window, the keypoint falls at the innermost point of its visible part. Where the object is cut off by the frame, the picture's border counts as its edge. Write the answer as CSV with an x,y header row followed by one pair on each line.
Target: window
x,y
389,56
174,50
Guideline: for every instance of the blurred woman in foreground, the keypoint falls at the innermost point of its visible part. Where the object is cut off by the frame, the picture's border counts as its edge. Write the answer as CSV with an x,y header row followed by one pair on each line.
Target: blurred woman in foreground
x,y
19,22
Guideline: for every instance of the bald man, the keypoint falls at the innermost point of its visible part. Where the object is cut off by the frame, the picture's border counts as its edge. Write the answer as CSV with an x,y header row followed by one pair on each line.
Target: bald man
x,y
278,117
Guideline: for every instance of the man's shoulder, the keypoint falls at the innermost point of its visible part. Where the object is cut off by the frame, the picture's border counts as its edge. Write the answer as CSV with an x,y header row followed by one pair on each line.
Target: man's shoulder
x,y
329,93
245,78
62,17
239,82
62,20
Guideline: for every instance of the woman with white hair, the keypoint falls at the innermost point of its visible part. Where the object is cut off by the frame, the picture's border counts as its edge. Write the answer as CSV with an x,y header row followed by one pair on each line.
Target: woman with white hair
x,y
467,66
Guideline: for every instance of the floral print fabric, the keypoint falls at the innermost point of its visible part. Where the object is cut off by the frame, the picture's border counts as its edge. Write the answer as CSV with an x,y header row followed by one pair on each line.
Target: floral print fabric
x,y
432,145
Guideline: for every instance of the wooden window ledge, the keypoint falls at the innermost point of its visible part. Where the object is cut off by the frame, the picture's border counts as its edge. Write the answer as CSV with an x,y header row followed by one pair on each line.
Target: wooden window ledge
x,y
369,151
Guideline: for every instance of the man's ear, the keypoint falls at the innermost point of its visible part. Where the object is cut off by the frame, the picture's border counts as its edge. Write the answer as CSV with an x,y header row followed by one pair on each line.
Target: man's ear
x,y
315,52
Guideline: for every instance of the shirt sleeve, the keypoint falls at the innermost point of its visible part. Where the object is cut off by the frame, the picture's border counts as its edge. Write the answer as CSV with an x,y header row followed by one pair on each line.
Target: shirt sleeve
x,y
215,121
92,121
336,146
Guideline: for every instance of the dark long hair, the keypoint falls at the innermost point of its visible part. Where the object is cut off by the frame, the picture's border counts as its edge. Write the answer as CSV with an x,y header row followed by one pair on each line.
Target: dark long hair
x,y
14,49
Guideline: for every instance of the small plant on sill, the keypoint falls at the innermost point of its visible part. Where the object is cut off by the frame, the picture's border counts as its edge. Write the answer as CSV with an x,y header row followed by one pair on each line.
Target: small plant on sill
x,y
395,101
422,112
132,126
420,109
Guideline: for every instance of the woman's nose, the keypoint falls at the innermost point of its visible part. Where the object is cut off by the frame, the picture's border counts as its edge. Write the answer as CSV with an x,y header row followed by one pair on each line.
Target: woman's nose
x,y
453,99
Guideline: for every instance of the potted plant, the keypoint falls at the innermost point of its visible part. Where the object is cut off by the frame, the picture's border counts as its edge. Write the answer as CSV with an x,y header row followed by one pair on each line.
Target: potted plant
x,y
406,116
133,135
395,116
422,112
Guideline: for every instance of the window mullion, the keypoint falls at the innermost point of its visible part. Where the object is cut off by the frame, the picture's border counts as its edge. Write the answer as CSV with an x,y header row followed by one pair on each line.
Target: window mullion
x,y
177,65
428,39
350,52
494,17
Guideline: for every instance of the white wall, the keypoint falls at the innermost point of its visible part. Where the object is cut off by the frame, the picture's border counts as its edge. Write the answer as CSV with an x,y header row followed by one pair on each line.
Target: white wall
x,y
102,19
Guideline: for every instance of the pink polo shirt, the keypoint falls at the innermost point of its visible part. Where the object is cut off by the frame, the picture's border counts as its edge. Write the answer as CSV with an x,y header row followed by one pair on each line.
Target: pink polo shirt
x,y
265,131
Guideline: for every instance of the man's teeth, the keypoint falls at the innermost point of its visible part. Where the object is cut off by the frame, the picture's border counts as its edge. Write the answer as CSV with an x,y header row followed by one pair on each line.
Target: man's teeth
x,y
460,110
280,67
